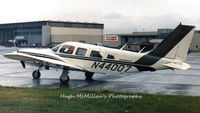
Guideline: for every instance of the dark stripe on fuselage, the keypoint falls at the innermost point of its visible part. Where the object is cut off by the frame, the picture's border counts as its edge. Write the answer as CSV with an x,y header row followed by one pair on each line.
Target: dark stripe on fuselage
x,y
138,66
95,59
165,46
40,55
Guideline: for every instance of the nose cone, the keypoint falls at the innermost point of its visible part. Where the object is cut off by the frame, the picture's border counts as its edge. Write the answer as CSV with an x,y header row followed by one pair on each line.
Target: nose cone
x,y
7,55
10,55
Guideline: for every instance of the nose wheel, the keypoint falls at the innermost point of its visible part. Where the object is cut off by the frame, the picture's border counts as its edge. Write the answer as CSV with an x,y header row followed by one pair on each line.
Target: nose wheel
x,y
36,74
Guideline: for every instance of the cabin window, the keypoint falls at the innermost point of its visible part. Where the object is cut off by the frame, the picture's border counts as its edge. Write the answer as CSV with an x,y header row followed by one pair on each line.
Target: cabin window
x,y
67,49
95,54
55,49
110,56
81,51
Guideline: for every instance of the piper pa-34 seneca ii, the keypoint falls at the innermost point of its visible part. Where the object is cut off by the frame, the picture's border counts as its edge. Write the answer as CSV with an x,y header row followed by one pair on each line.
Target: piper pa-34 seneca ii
x,y
169,54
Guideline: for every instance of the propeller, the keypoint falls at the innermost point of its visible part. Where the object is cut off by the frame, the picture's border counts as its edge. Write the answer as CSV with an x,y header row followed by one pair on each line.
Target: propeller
x,y
23,64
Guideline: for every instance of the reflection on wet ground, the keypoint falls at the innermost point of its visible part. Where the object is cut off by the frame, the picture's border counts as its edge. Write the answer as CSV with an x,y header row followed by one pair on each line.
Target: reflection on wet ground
x,y
171,82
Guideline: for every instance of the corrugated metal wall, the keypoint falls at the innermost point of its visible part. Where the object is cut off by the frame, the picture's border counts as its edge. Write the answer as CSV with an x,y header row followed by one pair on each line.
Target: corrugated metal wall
x,y
61,34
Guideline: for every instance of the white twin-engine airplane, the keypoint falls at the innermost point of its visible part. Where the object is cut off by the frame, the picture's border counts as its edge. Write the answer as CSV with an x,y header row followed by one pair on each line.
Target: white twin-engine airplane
x,y
169,54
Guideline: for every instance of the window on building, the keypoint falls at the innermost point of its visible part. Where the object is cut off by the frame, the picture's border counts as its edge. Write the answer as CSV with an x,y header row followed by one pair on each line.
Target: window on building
x,y
22,33
197,46
81,51
83,41
36,33
110,56
67,49
95,54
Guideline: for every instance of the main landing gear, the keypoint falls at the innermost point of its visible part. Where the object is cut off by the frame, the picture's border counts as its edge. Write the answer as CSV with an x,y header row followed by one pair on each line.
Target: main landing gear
x,y
64,78
89,75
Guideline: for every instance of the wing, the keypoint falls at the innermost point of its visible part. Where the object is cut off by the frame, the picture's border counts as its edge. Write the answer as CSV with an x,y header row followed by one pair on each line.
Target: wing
x,y
32,58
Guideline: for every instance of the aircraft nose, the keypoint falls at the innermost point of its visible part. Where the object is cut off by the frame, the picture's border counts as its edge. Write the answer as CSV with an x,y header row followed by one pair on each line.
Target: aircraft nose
x,y
7,55
10,55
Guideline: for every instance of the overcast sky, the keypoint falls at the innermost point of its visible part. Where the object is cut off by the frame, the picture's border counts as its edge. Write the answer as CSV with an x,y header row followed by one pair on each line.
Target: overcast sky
x,y
118,16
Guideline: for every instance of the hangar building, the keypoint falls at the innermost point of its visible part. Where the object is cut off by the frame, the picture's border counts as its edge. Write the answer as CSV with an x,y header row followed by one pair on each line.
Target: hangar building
x,y
133,40
195,44
48,33
137,40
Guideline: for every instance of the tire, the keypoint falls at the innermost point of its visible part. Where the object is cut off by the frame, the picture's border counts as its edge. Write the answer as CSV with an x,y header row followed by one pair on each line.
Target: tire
x,y
36,74
64,80
89,75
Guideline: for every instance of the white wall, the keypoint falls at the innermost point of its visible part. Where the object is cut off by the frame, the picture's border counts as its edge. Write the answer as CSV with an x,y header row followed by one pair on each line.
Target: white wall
x,y
46,35
62,34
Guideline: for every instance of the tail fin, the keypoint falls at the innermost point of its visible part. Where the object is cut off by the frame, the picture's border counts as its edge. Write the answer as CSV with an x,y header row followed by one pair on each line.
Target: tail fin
x,y
176,45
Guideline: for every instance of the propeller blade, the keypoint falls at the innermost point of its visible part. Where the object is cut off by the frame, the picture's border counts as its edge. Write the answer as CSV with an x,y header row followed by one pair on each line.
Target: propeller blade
x,y
23,64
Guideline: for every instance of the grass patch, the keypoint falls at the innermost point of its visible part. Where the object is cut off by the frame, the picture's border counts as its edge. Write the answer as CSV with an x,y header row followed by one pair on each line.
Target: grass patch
x,y
43,100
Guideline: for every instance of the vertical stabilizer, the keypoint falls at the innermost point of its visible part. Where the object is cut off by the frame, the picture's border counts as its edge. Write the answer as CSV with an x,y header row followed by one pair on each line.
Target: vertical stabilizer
x,y
176,45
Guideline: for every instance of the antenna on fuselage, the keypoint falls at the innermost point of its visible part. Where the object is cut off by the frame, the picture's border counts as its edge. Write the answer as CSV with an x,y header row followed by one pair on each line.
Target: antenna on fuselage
x,y
123,46
141,50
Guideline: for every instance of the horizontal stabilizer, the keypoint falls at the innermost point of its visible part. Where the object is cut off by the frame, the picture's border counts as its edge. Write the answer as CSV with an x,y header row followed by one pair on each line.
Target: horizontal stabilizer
x,y
183,66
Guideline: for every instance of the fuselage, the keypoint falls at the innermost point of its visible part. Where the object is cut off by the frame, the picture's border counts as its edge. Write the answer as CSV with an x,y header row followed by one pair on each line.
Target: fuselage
x,y
93,58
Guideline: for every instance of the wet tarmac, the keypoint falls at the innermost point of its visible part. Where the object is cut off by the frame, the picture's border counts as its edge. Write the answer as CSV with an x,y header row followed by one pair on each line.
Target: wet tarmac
x,y
170,82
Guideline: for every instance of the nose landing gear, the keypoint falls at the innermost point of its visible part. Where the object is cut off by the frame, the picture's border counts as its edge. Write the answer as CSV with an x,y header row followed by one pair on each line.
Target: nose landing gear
x,y
36,74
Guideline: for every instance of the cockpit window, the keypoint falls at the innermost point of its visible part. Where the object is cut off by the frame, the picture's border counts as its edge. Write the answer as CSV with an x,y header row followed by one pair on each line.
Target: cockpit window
x,y
81,51
55,49
67,49
95,54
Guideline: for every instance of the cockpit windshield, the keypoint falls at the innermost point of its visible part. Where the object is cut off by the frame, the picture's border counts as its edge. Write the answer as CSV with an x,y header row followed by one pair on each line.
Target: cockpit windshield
x,y
55,49
67,49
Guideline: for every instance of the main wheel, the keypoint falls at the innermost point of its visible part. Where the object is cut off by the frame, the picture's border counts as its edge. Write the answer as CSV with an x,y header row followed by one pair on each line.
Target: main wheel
x,y
89,75
64,79
36,74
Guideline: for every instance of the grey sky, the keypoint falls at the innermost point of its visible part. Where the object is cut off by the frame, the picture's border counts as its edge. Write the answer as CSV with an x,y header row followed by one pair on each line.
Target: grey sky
x,y
118,16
